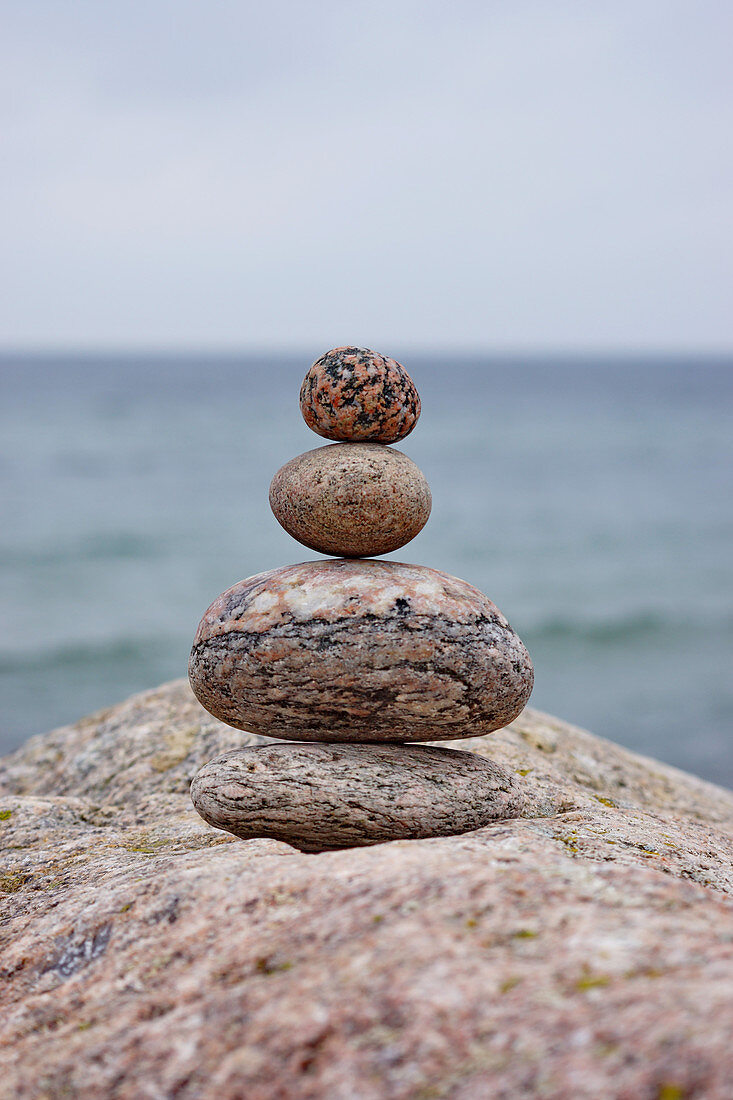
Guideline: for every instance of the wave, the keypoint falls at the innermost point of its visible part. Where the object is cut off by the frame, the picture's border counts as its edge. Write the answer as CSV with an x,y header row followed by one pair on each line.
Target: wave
x,y
117,652
119,546
632,627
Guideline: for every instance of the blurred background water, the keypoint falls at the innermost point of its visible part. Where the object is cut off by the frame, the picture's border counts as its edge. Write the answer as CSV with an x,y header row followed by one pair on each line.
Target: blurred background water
x,y
590,499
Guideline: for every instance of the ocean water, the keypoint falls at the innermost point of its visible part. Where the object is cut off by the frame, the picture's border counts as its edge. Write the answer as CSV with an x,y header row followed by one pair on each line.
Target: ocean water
x,y
591,500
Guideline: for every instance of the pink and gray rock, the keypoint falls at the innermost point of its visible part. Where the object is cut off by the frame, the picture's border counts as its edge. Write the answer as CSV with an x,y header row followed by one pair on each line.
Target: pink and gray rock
x,y
359,651
359,396
351,499
319,797
582,950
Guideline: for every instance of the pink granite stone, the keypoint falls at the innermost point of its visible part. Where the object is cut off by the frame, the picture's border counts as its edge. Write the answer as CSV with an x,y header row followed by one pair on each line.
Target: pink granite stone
x,y
583,950
359,651
359,396
351,499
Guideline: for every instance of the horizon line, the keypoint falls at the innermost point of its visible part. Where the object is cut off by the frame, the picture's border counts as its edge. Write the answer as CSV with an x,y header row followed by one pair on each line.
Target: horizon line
x,y
403,350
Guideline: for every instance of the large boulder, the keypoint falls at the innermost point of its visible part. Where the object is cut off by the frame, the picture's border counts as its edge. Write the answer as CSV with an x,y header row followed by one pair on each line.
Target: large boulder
x,y
582,950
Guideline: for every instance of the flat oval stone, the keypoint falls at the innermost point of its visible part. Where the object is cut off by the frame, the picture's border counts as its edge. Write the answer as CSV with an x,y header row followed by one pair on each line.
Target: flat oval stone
x,y
351,499
361,650
359,396
320,797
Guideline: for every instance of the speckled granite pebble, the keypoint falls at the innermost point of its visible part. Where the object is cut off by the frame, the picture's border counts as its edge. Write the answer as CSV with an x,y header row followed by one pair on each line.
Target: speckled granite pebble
x,y
351,499
321,797
357,395
359,651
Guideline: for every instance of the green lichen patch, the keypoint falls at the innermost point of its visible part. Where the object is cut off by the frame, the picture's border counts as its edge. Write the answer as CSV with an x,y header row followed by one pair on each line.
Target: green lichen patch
x,y
270,966
177,746
591,981
144,844
668,1090
570,840
13,881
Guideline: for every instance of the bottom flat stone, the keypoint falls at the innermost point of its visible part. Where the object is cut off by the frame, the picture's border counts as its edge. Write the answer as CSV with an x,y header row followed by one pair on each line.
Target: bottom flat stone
x,y
318,797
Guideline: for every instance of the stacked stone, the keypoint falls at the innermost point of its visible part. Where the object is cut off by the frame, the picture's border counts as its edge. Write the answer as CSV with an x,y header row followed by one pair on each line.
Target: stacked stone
x,y
356,657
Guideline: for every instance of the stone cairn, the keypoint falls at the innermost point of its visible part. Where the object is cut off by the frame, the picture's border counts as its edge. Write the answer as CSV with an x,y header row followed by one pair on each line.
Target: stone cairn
x,y
355,657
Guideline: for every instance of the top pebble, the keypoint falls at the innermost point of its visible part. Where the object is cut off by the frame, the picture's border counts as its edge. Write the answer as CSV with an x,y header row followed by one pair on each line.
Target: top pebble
x,y
359,396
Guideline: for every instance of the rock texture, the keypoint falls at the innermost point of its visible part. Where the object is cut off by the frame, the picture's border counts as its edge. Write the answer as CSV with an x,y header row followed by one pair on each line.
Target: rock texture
x,y
359,651
583,950
351,499
321,797
359,396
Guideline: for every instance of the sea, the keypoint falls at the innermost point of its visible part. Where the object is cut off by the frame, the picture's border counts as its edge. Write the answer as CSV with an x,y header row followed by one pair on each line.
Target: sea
x,y
590,498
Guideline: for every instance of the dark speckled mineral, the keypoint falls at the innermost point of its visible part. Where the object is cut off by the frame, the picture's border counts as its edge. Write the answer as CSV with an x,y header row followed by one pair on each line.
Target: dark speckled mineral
x,y
351,499
359,651
357,395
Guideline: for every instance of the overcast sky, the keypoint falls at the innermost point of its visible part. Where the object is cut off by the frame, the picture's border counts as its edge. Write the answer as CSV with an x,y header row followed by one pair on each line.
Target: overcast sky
x,y
485,175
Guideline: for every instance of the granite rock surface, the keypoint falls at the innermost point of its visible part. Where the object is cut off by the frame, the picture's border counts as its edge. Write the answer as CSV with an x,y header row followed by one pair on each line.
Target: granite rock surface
x,y
582,950
359,396
359,651
321,797
351,499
